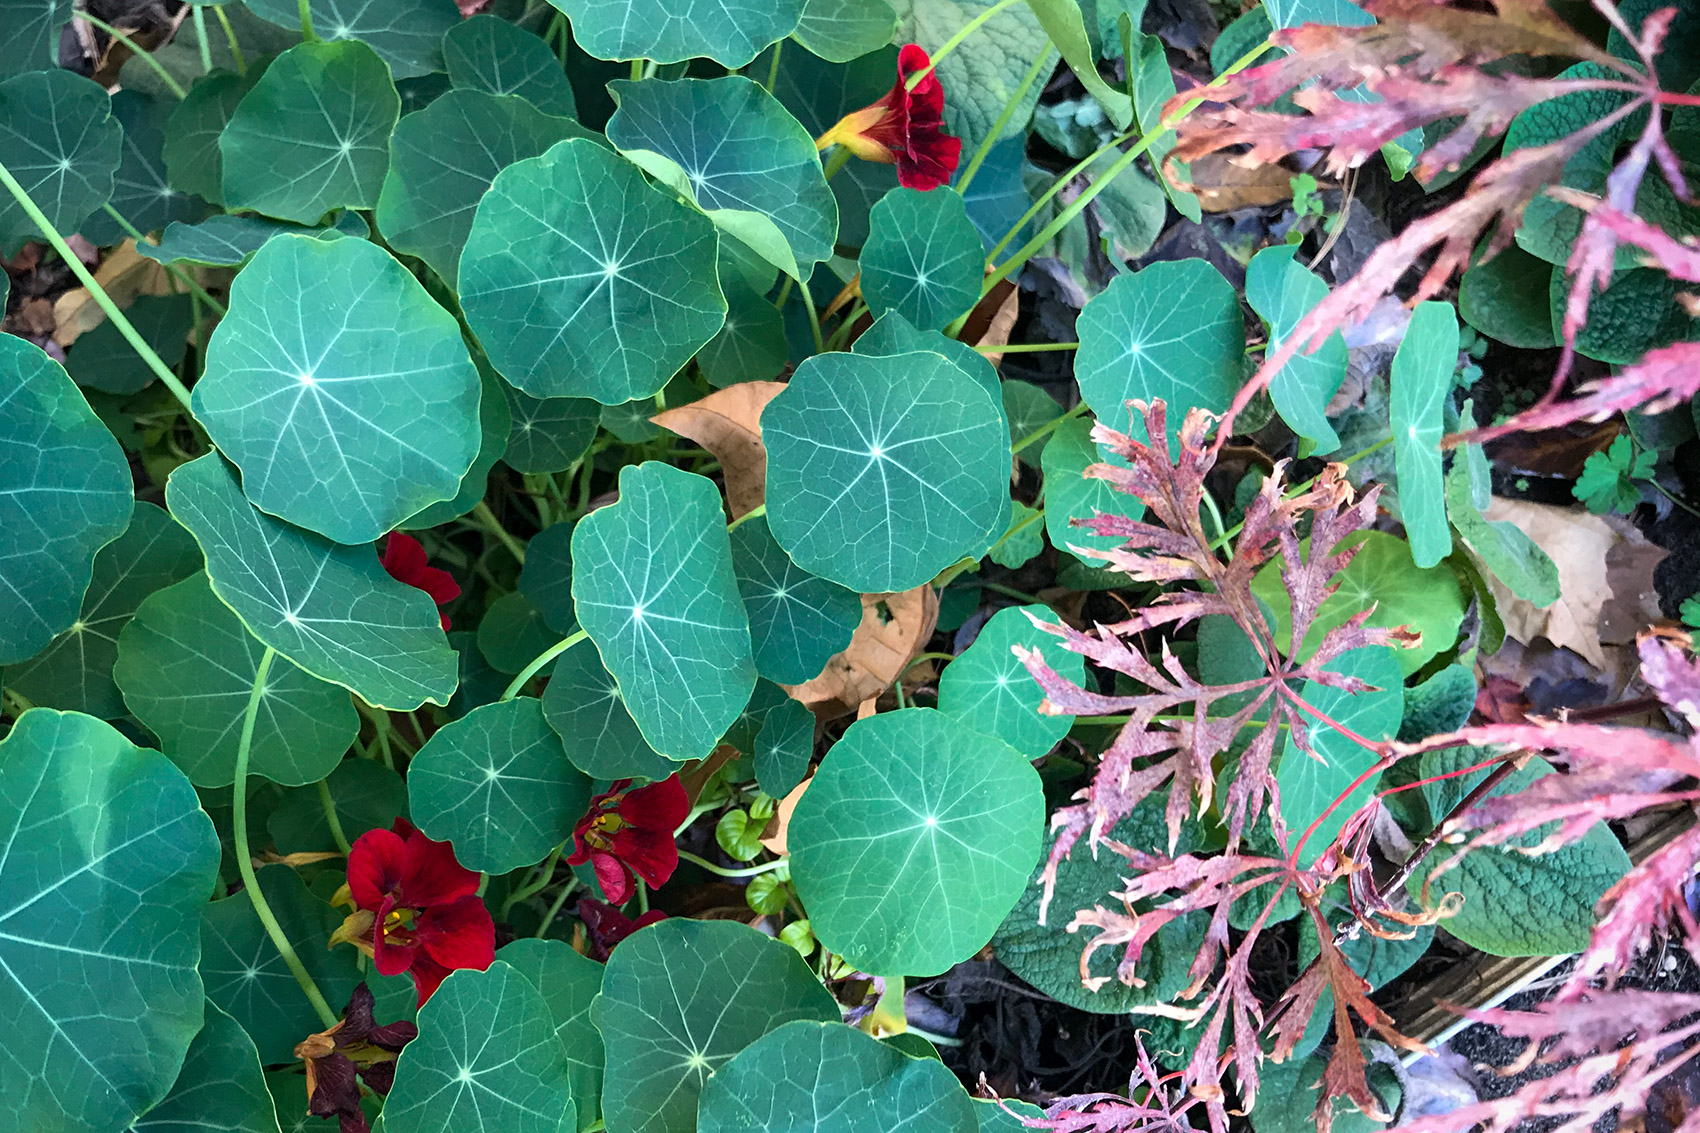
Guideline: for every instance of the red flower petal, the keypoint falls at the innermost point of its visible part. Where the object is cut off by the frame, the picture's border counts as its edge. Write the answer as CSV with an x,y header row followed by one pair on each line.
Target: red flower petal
x,y
389,955
377,863
929,155
428,976
433,876
459,935
616,879
659,806
404,559
653,855
606,926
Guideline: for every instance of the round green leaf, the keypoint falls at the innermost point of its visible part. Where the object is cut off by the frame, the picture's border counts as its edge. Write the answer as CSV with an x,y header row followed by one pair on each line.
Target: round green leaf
x,y
442,160
33,28
988,689
1635,313
1283,291
1070,495
922,258
65,492
546,579
764,700
75,670
679,999
1170,331
103,359
142,193
629,293
187,664
811,1077
797,621
512,633
489,54
189,149
312,134
221,1086
342,391
486,1058
480,682
883,471
732,148
583,704
548,434
751,344
653,586
497,784
672,31
1506,298
913,840
1028,408
568,981
108,859
330,608
1420,382
494,418
62,144
784,747
367,795
228,241
406,34
841,30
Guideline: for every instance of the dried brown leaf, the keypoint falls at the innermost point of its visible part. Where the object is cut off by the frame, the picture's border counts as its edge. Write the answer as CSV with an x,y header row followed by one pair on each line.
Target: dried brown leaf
x,y
728,424
894,628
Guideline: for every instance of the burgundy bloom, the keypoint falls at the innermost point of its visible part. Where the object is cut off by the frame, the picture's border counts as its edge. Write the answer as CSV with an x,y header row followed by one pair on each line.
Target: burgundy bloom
x,y
404,559
629,831
905,128
355,1050
605,926
417,909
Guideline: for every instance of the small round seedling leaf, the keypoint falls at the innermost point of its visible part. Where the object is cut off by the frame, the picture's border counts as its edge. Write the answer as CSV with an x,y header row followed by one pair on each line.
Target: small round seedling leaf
x,y
312,134
923,257
797,621
221,1086
342,391
1171,331
569,981
672,31
497,785
63,146
228,241
494,417
731,147
1070,495
784,747
751,344
811,1077
142,193
882,471
582,280
841,30
1421,379
654,588
75,670
583,704
914,838
486,53
988,689
548,434
103,359
187,664
406,34
330,608
65,492
1283,291
679,999
546,579
109,859
442,160
487,1057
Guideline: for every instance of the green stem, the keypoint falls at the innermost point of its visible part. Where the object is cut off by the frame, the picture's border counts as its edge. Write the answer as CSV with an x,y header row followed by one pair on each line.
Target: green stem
x,y
845,325
637,69
1012,592
955,41
380,731
165,76
1667,495
555,906
200,17
773,67
814,318
306,10
1027,347
1047,428
230,37
245,864
722,871
784,292
172,270
488,519
758,510
839,158
101,298
331,818
541,660
996,132
696,813
545,874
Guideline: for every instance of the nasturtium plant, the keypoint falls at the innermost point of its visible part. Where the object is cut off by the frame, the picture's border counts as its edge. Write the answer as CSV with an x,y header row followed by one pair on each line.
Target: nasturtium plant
x,y
986,687
797,621
671,31
486,53
584,705
922,258
142,192
406,34
221,1084
1420,380
1283,291
63,146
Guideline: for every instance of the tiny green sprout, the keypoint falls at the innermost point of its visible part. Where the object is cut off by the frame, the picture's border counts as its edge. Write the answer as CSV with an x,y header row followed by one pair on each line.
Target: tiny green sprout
x,y
1607,482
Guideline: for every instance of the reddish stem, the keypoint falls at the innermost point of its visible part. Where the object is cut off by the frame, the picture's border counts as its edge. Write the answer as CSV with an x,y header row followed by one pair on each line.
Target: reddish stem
x,y
1437,778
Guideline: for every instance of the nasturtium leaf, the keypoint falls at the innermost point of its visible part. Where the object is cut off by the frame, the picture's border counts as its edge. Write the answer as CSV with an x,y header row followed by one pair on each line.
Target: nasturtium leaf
x,y
982,74
548,434
546,579
312,134
679,999
654,588
187,665
32,34
914,838
513,632
109,857
1070,495
784,746
142,193
330,608
367,795
1506,298
994,1117
732,148
65,492
797,621
1503,547
922,258
1283,291
406,34
221,1086
63,146
882,471
1022,540
988,689
496,783
751,344
442,160
568,981
487,1057
486,53
808,1077
1421,379
841,30
672,31
583,704
75,670
629,292
1311,784
480,682
342,391
193,164
103,359
1170,331
1383,575
764,699
228,241
494,418
1065,26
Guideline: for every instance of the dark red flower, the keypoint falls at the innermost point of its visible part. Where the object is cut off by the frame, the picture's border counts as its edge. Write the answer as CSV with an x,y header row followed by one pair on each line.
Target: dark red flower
x,y
355,1050
629,831
404,559
605,926
417,909
905,128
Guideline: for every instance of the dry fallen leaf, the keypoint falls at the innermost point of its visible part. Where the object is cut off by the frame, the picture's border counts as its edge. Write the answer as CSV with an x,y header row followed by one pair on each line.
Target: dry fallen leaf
x,y
773,837
992,319
728,424
1222,183
125,274
895,627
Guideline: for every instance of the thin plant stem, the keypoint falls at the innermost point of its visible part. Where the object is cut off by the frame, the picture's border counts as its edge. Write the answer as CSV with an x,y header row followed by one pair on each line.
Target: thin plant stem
x,y
1222,539
541,660
814,318
773,66
696,813
245,864
487,519
955,41
753,513
380,731
200,18
784,292
722,871
545,874
1027,347
555,906
172,270
101,298
997,127
642,896
637,69
1664,491
236,55
1012,592
123,37
1048,428
839,158
331,819
306,10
